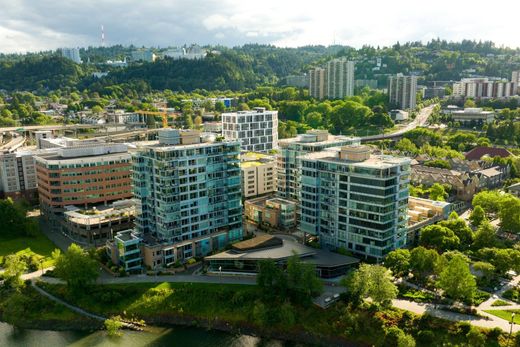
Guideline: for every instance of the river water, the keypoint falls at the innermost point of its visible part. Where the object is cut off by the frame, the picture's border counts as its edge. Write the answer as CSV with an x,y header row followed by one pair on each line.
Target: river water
x,y
172,337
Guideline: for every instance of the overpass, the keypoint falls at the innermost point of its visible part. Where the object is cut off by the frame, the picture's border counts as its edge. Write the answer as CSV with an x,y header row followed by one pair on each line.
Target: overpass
x,y
419,121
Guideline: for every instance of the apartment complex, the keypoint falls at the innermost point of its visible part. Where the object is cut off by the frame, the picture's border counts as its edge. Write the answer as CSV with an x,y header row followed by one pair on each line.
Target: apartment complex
x,y
18,176
288,159
256,130
515,78
189,193
72,54
258,173
83,176
317,83
484,88
335,81
340,78
354,200
402,91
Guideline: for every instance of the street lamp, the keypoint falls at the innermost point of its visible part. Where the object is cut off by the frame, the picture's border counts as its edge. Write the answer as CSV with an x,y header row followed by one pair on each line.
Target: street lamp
x,y
512,322
220,273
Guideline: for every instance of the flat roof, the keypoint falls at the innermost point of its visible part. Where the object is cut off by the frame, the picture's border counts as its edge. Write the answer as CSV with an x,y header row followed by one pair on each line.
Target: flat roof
x,y
288,248
331,139
375,161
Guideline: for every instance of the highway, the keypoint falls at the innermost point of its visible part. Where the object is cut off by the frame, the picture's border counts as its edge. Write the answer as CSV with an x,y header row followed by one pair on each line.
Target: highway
x,y
419,120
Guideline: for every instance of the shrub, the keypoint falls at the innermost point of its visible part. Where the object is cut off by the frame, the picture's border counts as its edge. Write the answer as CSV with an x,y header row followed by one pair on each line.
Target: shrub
x,y
426,337
113,325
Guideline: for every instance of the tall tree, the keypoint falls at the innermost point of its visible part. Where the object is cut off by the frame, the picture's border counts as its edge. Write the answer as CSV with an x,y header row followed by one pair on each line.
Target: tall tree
x,y
457,281
485,236
372,281
398,261
14,267
76,267
477,216
439,237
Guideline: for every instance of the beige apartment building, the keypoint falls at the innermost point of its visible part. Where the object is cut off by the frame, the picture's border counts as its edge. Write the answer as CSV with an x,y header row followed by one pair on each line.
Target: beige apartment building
x,y
258,173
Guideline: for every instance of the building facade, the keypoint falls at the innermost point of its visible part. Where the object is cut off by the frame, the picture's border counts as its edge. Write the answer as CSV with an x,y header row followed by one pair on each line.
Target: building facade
x,y
256,130
484,88
72,54
318,83
189,193
18,176
288,159
353,200
473,117
258,174
402,91
340,78
83,176
274,212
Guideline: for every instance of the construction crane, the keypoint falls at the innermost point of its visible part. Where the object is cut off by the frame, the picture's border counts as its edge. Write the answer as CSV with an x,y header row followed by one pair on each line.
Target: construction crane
x,y
163,115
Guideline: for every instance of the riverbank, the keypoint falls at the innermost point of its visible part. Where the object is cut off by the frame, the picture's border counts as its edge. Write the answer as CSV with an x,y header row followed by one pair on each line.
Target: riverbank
x,y
239,309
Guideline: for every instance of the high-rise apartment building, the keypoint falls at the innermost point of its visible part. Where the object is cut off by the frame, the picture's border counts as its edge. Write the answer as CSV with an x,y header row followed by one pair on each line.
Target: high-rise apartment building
x,y
18,176
72,54
340,78
256,130
188,189
317,83
402,91
258,172
84,176
484,88
354,200
335,81
288,159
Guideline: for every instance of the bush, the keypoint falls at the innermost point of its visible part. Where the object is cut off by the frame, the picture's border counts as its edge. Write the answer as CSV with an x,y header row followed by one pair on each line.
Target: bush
x,y
426,337
113,325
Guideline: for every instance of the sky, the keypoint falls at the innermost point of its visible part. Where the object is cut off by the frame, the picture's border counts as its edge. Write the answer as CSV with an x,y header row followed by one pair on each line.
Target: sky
x,y
35,25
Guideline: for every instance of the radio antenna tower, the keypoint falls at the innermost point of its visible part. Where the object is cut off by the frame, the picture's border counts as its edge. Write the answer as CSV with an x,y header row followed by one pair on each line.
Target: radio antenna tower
x,y
102,36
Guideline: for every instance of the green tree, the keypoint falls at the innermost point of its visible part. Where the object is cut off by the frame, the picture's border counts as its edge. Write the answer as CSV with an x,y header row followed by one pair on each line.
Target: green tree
x,y
486,270
220,107
398,261
460,229
76,267
12,218
438,237
113,326
476,338
488,200
457,281
396,337
14,267
485,236
477,216
314,119
407,146
437,192
97,109
509,213
423,261
372,281
469,103
243,107
302,280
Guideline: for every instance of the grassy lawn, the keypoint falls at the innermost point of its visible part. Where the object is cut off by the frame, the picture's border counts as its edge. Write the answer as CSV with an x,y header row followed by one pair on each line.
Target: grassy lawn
x,y
500,303
506,314
39,245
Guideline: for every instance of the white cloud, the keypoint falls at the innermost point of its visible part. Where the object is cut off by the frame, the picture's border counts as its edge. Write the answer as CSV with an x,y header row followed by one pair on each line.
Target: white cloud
x,y
48,24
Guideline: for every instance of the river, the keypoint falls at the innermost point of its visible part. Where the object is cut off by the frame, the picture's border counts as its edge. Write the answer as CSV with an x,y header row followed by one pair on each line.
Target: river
x,y
172,337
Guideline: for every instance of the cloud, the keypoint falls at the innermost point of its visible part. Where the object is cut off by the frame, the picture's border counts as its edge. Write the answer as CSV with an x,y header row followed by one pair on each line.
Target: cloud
x,y
28,25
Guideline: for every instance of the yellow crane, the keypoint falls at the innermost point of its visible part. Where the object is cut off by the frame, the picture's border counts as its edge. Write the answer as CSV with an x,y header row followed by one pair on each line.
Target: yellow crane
x,y
163,115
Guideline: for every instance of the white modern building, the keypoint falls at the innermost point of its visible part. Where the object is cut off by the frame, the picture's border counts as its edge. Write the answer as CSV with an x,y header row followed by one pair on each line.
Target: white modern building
x,y
18,175
473,116
258,174
402,91
72,54
257,130
354,200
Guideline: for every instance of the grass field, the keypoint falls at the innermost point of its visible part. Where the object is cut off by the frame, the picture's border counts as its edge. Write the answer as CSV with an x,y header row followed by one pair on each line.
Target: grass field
x,y
506,314
39,245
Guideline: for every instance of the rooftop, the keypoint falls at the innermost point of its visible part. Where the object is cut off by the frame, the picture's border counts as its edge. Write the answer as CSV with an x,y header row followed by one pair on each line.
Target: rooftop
x,y
374,161
478,152
331,139
285,249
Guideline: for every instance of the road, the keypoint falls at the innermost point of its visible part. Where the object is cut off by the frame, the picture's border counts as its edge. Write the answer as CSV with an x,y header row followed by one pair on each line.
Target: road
x,y
419,120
